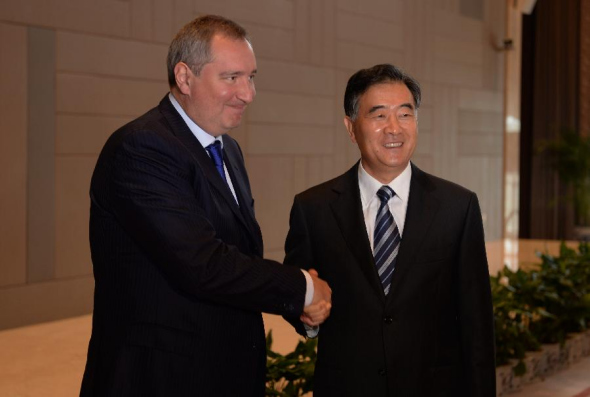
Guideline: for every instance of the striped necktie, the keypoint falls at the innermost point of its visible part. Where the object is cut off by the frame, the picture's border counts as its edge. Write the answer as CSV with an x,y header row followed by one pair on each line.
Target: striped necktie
x,y
386,239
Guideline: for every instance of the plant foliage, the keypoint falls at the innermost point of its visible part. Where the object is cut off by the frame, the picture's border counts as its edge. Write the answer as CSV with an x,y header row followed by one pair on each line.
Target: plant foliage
x,y
542,305
570,158
290,375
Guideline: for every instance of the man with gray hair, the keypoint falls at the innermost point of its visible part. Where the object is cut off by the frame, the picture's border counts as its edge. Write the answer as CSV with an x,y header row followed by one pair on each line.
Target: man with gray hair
x,y
405,256
176,249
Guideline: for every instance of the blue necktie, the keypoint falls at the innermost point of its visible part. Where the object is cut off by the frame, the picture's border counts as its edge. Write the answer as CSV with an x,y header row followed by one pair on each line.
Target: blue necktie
x,y
216,155
386,239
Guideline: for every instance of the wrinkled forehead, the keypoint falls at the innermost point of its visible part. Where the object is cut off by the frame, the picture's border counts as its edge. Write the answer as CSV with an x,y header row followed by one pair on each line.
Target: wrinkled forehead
x,y
388,94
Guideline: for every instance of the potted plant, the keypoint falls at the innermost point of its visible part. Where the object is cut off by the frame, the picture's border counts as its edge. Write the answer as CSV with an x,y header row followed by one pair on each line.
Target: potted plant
x,y
570,157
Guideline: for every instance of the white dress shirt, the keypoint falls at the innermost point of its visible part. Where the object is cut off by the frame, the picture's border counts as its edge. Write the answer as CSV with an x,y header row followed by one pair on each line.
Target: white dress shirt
x,y
206,139
398,204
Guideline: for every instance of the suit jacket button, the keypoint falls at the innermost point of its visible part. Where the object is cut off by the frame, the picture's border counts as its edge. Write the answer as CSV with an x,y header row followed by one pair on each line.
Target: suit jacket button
x,y
381,372
387,320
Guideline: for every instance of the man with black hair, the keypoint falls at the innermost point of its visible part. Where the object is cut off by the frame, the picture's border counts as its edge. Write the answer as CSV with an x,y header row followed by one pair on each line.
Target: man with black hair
x,y
405,256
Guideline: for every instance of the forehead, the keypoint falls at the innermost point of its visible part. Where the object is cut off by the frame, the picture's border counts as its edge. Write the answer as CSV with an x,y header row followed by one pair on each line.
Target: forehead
x,y
390,94
225,48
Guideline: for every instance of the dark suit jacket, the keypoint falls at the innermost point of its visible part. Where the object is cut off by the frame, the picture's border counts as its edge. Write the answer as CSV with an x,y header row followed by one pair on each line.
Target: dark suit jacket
x,y
433,334
180,283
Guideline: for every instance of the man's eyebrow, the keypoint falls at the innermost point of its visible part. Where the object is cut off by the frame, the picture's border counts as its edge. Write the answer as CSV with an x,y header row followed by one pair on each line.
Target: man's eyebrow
x,y
375,108
378,107
407,105
237,72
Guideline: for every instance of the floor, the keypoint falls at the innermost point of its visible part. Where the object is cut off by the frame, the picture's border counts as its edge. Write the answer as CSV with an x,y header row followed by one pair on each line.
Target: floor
x,y
47,360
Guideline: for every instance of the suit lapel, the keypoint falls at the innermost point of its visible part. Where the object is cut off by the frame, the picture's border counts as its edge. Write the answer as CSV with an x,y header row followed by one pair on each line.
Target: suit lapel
x,y
186,137
422,207
232,159
347,209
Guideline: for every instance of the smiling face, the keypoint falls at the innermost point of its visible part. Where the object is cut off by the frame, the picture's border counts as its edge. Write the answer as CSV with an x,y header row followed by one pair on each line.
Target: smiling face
x,y
217,97
385,129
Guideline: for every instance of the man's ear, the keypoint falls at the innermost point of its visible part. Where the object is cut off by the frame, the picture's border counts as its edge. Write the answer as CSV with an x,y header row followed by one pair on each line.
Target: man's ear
x,y
350,128
183,74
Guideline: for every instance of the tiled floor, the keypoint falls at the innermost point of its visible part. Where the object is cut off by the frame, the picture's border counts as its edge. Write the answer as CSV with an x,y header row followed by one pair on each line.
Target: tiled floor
x,y
47,360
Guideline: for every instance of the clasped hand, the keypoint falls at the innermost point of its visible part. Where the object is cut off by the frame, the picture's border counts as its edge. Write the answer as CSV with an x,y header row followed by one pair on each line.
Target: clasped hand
x,y
318,311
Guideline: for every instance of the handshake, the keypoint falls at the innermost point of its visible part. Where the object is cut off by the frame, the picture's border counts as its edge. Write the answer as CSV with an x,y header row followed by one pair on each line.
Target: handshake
x,y
318,311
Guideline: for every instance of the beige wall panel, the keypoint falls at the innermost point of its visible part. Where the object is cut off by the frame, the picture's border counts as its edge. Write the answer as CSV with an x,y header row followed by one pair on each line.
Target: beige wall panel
x,y
314,171
72,214
424,145
240,133
272,205
458,74
142,19
105,96
480,145
328,168
46,301
289,139
424,162
364,30
13,154
299,174
85,134
426,88
297,78
328,50
277,13
317,31
444,134
454,26
163,21
481,100
391,10
271,107
359,56
483,175
475,121
108,56
470,53
270,42
106,17
425,118
41,155
352,154
302,30
448,5
418,43
184,12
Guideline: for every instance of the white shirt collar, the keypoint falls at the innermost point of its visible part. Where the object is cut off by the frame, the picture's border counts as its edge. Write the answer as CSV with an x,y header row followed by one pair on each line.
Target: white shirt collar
x,y
369,185
204,138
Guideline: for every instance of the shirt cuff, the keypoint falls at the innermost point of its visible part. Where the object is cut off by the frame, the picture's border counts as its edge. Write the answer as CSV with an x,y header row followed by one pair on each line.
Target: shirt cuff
x,y
312,332
309,290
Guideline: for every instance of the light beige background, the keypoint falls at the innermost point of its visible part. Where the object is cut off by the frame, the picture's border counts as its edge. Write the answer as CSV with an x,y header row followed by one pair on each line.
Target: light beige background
x,y
72,71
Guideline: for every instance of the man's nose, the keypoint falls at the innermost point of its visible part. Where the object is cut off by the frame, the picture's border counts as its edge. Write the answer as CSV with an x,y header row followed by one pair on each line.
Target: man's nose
x,y
247,91
393,125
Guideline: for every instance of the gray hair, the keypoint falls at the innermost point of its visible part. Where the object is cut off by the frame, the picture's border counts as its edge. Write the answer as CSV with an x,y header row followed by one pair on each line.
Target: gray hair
x,y
192,44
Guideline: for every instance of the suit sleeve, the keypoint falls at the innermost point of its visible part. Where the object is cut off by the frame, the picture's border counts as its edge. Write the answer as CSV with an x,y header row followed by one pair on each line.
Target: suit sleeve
x,y
298,252
475,308
151,193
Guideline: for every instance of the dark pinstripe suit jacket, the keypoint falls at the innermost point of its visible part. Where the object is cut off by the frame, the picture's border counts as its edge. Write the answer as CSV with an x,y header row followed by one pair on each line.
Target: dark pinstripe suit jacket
x,y
180,282
432,335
